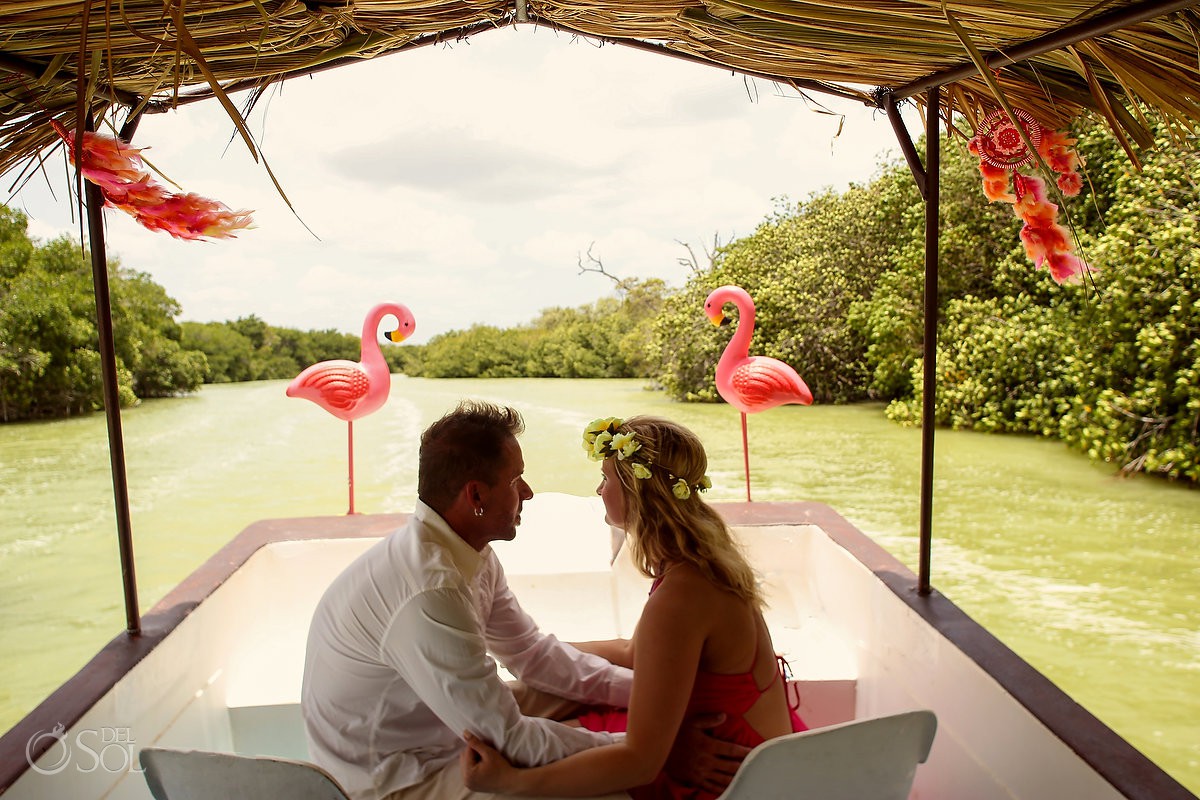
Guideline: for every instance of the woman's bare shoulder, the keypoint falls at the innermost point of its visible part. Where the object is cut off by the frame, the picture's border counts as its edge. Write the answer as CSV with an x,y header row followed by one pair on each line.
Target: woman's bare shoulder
x,y
677,617
715,616
684,583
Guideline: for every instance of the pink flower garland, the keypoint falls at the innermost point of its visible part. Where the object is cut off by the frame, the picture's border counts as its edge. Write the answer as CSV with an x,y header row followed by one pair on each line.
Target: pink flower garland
x,y
116,168
1046,242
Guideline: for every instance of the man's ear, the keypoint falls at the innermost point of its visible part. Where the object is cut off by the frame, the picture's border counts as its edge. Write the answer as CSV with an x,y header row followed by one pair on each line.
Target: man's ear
x,y
474,492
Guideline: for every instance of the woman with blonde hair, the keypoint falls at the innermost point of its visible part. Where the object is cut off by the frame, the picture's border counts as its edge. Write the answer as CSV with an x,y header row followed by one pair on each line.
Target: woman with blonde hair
x,y
701,645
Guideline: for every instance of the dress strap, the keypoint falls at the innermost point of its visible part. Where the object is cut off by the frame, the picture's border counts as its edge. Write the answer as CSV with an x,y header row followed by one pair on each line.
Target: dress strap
x,y
790,690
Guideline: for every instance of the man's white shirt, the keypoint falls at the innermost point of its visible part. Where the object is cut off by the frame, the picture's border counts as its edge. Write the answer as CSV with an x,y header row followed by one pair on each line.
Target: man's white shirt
x,y
397,665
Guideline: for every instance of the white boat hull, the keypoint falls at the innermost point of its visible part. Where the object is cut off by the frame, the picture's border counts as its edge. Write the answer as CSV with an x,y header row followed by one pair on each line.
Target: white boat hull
x,y
219,664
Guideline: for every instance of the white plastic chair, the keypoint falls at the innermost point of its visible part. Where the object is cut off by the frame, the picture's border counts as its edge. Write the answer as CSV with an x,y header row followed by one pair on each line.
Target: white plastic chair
x,y
199,775
871,759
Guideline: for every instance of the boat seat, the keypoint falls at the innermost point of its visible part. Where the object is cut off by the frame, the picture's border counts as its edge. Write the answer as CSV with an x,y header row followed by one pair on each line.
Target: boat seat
x,y
870,759
200,775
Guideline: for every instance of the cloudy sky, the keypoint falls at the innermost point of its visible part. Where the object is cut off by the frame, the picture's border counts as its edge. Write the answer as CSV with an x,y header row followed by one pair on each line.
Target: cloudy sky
x,y
467,180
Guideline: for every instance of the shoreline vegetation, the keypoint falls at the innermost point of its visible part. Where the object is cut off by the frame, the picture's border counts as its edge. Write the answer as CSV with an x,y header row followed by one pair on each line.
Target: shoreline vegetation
x,y
1110,365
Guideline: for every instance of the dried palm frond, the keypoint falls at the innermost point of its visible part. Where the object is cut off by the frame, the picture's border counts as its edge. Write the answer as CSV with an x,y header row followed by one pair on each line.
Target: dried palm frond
x,y
61,60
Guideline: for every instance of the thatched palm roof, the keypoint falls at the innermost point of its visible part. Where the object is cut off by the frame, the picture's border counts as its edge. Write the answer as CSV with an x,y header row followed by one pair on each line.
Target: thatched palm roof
x,y
149,55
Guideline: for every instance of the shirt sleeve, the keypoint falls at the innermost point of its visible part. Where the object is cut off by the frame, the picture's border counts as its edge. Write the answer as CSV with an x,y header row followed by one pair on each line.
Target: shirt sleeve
x,y
543,662
435,644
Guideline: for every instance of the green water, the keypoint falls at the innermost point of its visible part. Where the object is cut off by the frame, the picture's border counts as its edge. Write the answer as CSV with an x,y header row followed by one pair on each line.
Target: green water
x,y
1093,578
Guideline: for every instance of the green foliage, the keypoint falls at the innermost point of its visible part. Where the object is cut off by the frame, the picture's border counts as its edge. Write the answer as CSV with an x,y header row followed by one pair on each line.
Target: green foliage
x,y
147,339
806,267
607,339
1111,365
572,343
481,351
228,354
1000,368
890,321
685,345
1138,359
1104,162
16,248
46,330
248,349
49,362
974,236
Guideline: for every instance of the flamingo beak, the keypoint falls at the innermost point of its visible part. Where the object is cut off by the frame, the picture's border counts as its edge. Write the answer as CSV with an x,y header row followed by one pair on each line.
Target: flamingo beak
x,y
718,318
397,335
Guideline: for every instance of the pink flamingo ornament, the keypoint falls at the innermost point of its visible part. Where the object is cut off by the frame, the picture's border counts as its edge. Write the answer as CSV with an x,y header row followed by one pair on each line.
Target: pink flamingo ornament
x,y
750,383
353,389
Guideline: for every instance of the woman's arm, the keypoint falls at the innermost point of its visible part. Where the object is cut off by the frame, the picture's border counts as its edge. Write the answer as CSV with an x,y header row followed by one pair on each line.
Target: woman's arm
x,y
540,659
666,657
616,651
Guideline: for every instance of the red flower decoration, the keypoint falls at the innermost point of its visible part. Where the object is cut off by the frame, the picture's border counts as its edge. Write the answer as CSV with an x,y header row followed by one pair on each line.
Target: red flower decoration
x,y
1070,184
1046,242
1000,149
999,143
1059,154
116,167
996,183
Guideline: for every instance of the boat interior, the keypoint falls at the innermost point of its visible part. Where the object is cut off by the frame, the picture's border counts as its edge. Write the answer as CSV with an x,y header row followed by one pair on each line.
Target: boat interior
x,y
219,665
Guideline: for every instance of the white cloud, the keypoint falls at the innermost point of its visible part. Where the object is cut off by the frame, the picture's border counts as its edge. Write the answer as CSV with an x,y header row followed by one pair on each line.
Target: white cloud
x,y
465,180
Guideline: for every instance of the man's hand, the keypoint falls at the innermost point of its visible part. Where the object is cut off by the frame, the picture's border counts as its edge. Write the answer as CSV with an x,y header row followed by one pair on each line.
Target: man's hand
x,y
483,768
698,759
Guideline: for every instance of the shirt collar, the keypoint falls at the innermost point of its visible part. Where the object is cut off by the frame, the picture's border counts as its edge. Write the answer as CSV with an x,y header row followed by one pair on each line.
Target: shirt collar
x,y
467,560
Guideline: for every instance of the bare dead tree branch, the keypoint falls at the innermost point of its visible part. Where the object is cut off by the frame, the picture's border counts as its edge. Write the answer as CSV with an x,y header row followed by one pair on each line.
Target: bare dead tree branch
x,y
596,265
691,262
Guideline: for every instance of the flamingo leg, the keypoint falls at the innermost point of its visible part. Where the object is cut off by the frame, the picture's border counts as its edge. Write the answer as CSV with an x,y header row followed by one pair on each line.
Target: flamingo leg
x,y
746,455
350,449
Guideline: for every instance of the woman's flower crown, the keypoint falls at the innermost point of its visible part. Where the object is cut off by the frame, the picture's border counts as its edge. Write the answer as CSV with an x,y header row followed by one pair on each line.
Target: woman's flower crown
x,y
601,440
